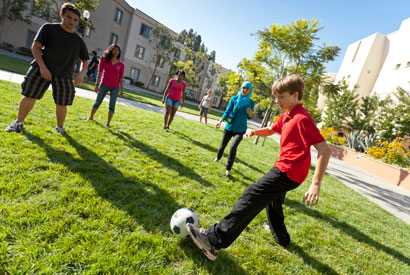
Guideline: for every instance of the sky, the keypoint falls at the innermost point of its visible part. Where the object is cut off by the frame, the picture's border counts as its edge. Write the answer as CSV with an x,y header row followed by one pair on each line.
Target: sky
x,y
226,26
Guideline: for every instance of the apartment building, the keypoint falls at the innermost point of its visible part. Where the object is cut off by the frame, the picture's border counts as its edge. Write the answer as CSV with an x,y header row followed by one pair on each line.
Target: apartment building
x,y
379,63
115,21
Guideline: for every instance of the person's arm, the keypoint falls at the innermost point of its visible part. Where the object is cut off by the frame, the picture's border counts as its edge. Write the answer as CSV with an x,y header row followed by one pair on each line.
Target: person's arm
x,y
80,75
166,92
323,155
200,103
36,50
122,87
229,109
183,97
97,82
267,131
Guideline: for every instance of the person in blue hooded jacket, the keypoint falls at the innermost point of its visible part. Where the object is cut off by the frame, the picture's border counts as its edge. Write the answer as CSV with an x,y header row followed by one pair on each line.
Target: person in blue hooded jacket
x,y
239,110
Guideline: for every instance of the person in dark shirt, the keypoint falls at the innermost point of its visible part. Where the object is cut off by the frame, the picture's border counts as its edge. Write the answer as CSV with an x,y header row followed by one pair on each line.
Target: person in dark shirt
x,y
56,48
92,66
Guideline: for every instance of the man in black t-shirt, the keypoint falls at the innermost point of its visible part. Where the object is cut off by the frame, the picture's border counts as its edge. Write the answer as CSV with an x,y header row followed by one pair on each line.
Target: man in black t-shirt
x,y
92,66
56,48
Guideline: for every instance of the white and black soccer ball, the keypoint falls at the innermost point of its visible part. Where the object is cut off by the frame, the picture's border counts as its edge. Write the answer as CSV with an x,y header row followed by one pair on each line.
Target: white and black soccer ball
x,y
180,218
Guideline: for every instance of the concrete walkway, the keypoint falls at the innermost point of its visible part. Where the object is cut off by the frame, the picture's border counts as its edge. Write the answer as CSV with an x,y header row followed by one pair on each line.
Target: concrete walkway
x,y
393,199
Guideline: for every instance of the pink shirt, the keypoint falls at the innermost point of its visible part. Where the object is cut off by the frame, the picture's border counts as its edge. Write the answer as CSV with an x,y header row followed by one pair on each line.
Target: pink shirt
x,y
111,73
176,90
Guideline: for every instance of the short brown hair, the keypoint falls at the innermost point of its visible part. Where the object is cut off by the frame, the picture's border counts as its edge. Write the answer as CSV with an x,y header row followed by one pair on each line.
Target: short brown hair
x,y
291,84
70,7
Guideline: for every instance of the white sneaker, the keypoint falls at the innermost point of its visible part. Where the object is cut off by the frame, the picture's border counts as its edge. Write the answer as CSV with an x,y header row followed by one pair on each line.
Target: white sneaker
x,y
60,130
15,126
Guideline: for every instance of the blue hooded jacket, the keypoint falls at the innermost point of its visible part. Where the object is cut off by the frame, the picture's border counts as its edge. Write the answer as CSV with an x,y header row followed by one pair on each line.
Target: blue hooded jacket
x,y
238,106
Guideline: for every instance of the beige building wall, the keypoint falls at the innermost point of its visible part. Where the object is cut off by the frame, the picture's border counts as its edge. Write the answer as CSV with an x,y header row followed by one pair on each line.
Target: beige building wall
x,y
362,63
105,26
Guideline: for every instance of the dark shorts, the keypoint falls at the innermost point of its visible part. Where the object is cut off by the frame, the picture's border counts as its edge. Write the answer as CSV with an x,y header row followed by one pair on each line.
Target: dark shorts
x,y
90,72
204,111
34,86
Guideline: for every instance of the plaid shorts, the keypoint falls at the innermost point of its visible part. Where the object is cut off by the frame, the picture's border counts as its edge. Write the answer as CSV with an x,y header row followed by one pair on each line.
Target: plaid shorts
x,y
34,86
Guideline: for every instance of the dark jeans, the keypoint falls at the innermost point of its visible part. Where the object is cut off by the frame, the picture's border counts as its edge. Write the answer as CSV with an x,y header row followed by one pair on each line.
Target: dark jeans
x,y
237,138
269,191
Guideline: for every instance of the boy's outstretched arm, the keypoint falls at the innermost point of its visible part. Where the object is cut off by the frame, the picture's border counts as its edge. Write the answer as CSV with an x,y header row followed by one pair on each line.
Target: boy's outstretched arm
x,y
267,131
323,156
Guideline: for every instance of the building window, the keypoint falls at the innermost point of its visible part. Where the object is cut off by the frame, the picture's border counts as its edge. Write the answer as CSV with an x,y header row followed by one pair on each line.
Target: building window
x,y
30,38
118,16
199,79
161,61
177,53
357,50
139,52
144,31
155,81
113,39
397,66
135,73
215,101
191,94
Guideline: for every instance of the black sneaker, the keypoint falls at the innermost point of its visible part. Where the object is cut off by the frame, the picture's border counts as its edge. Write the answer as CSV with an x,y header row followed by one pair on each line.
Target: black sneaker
x,y
201,240
282,238
15,126
60,130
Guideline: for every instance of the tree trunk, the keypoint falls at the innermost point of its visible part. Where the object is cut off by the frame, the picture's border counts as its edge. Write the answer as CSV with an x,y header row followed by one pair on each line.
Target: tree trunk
x,y
152,76
266,118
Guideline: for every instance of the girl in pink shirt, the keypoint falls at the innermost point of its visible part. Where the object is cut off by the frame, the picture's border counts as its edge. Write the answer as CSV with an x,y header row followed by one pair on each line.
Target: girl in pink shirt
x,y
111,70
174,96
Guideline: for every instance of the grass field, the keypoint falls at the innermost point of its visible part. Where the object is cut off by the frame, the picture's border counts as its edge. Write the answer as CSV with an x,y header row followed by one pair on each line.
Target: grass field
x,y
100,201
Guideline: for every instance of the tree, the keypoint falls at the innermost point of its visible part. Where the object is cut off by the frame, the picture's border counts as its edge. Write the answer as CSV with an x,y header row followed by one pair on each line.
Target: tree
x,y
14,10
162,49
290,49
50,9
212,56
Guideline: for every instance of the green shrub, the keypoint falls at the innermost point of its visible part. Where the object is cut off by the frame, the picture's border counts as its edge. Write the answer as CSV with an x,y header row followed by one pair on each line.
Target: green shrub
x,y
25,51
7,46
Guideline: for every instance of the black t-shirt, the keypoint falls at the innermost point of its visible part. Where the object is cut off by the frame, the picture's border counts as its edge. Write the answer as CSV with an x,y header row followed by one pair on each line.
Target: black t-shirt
x,y
94,61
61,49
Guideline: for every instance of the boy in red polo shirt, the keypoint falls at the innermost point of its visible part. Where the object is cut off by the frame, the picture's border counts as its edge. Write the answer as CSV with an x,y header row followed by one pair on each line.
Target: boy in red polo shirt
x,y
298,132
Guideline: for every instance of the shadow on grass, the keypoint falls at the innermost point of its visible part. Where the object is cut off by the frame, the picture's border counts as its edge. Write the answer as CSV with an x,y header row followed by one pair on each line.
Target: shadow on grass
x,y
224,263
215,150
151,208
309,260
156,155
142,200
348,229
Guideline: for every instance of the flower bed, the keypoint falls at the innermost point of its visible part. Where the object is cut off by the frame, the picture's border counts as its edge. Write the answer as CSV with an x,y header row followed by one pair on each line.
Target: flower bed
x,y
395,175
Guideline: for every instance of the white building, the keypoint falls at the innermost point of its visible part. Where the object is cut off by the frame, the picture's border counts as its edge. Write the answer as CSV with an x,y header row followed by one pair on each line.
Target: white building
x,y
379,63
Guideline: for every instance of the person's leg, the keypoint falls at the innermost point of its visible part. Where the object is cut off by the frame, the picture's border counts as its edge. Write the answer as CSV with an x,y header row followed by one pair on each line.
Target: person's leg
x,y
32,88
225,139
61,112
237,138
254,198
168,110
103,90
111,106
276,219
25,106
171,116
63,94
201,112
206,116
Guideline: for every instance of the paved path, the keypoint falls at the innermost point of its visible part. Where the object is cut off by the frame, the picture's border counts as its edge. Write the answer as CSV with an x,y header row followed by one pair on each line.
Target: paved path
x,y
394,199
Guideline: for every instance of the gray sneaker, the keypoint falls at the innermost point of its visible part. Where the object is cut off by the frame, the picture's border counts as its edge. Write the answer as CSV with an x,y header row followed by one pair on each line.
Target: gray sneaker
x,y
201,240
15,126
60,130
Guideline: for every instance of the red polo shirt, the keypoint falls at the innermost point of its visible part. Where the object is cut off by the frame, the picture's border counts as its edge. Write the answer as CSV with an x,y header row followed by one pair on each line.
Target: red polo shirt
x,y
297,133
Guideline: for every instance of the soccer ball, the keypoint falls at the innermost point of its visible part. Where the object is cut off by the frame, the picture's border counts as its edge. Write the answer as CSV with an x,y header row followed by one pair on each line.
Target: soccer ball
x,y
180,218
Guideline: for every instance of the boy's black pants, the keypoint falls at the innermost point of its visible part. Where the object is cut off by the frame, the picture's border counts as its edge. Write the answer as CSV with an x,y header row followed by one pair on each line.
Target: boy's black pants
x,y
237,138
269,191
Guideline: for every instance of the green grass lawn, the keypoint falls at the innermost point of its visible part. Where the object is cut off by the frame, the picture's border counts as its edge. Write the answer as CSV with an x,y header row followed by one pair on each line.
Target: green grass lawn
x,y
20,66
100,201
